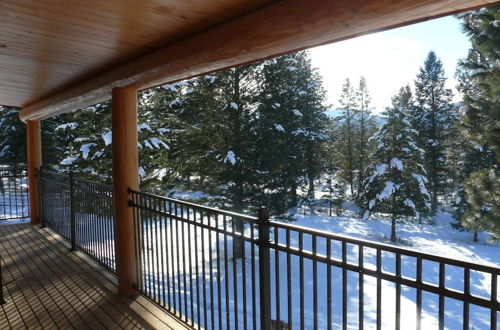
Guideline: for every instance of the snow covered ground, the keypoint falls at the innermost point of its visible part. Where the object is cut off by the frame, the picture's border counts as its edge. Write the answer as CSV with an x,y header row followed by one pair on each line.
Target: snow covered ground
x,y
439,238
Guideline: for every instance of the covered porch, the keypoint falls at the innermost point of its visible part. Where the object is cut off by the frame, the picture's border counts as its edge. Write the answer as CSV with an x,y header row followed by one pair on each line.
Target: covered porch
x,y
145,261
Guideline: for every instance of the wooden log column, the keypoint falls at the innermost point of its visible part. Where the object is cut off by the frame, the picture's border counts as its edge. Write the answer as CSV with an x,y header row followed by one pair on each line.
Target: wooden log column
x,y
125,176
34,157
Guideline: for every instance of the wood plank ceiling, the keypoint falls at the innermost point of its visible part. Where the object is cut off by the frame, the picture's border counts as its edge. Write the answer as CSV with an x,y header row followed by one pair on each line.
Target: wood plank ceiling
x,y
48,45
60,55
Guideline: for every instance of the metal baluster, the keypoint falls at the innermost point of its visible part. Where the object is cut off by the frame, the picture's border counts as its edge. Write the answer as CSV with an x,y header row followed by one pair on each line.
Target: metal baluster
x,y
441,296
398,291
277,276
264,269
344,285
254,291
235,277
72,212
467,296
361,284
301,280
289,279
419,293
379,289
493,298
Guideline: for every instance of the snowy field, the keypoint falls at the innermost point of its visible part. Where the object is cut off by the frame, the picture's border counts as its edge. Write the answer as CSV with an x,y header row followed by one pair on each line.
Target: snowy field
x,y
194,277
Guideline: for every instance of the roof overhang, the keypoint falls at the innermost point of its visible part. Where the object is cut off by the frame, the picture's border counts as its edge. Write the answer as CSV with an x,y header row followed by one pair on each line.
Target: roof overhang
x,y
58,60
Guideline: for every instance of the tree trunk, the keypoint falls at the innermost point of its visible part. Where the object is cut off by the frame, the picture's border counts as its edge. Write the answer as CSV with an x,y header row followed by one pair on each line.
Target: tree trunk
x,y
476,238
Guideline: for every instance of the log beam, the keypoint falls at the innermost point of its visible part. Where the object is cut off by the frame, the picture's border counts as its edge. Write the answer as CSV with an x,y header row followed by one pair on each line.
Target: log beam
x,y
34,155
125,176
282,27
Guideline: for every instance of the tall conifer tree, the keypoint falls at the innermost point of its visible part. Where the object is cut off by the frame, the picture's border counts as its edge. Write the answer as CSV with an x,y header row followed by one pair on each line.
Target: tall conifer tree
x,y
432,117
397,184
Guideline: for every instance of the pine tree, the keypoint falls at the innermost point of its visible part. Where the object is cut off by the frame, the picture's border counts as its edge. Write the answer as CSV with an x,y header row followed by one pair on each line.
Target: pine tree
x,y
397,184
348,127
88,149
432,117
219,111
480,86
159,129
366,128
333,189
292,116
475,158
12,137
481,192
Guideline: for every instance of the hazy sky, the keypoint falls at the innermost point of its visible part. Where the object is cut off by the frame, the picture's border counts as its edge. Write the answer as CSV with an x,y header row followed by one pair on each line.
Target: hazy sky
x,y
390,59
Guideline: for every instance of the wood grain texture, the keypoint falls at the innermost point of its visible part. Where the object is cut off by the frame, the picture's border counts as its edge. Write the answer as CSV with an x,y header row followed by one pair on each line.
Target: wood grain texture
x,y
49,287
282,27
125,176
34,157
52,44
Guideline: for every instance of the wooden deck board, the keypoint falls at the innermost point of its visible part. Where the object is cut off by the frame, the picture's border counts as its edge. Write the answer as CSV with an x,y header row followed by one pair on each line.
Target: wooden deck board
x,y
48,287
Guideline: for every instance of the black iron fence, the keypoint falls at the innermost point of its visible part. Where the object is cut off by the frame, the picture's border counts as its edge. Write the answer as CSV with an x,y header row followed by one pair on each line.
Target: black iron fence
x,y
82,212
219,270
14,201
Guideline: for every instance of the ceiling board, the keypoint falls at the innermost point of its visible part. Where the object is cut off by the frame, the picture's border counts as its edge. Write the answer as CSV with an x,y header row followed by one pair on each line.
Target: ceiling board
x,y
48,45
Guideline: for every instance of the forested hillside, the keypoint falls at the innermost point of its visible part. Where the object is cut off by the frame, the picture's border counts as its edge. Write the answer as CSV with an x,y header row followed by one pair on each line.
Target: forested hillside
x,y
259,134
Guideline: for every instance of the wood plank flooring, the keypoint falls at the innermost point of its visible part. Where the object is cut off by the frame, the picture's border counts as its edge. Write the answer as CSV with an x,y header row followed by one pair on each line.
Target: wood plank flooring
x,y
48,287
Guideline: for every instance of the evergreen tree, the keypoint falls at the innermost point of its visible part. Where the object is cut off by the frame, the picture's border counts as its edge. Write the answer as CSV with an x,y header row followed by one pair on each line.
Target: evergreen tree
x,y
432,117
348,127
292,116
218,112
475,158
481,192
12,137
397,185
159,129
480,85
366,128
88,149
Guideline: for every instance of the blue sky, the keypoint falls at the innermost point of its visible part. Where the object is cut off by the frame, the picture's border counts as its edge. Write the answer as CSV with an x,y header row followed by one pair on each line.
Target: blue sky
x,y
390,59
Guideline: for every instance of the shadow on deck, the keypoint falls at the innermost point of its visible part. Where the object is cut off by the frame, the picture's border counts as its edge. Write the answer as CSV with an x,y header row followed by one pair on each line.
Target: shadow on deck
x,y
47,286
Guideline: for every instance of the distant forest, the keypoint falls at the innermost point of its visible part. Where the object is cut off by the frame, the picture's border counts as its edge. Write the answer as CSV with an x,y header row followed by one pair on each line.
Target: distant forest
x,y
259,134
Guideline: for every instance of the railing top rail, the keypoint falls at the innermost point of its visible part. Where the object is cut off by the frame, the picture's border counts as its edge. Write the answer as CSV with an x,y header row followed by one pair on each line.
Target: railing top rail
x,y
387,247
97,184
77,180
194,205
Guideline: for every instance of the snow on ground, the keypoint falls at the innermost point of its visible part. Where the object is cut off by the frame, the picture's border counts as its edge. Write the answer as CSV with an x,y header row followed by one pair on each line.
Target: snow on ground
x,y
439,239
179,279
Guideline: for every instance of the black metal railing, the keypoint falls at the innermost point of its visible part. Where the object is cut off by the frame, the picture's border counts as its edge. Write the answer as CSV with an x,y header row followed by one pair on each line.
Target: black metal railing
x,y
220,270
82,212
186,265
14,201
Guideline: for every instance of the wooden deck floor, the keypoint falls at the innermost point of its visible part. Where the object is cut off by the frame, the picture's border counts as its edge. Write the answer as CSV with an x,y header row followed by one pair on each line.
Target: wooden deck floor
x,y
48,287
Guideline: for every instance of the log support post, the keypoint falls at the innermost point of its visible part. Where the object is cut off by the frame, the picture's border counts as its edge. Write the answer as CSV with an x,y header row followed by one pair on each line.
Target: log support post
x,y
34,155
125,176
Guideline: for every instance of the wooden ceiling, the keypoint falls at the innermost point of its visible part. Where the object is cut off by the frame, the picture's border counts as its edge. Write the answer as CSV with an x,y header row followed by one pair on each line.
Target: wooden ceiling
x,y
60,55
50,44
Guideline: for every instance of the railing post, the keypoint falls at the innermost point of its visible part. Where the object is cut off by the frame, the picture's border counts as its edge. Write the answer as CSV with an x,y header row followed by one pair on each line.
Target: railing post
x,y
34,155
125,177
264,269
40,195
72,211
